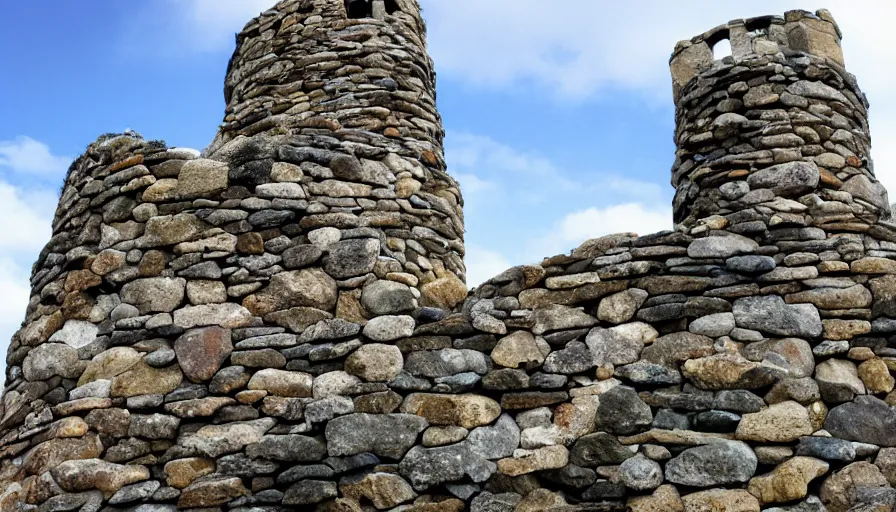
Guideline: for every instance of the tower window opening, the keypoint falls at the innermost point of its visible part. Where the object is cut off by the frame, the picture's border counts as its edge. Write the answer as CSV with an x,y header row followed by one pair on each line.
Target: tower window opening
x,y
359,9
719,44
759,26
392,7
721,49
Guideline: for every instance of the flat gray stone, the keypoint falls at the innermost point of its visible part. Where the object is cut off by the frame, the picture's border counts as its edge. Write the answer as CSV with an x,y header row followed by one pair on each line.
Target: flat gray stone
x,y
791,179
384,297
721,246
288,448
428,467
76,333
154,294
621,344
715,325
866,420
621,411
445,362
640,473
598,449
718,463
354,257
49,359
497,441
575,358
389,327
772,315
386,435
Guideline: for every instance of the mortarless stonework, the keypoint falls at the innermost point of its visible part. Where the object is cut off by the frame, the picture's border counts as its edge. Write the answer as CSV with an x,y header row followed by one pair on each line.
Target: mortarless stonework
x,y
281,322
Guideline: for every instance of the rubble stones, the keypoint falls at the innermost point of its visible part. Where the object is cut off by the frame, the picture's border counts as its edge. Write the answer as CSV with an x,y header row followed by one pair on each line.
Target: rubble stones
x,y
282,320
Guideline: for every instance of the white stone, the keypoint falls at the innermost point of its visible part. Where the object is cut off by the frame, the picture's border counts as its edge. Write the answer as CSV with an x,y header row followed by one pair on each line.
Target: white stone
x,y
389,328
97,389
76,333
324,237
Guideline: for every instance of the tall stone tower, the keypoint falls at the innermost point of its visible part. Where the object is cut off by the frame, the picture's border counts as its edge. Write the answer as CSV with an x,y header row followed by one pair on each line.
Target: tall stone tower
x,y
281,323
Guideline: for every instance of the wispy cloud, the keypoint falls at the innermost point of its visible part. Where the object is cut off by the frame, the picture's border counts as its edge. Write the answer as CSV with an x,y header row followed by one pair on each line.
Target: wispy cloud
x,y
521,206
497,170
32,211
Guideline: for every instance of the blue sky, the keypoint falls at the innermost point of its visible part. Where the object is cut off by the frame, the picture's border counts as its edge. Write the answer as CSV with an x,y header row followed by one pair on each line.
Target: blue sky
x,y
558,114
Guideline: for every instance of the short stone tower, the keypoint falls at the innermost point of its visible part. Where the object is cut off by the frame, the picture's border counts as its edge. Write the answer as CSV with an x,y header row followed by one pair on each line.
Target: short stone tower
x,y
281,323
804,126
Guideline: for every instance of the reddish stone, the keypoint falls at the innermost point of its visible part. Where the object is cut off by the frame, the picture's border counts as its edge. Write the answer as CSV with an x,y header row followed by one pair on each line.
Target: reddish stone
x,y
127,162
200,352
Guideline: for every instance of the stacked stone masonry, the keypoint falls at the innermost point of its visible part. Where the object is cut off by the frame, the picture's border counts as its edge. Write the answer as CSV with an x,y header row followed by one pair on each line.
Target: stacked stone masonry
x,y
281,322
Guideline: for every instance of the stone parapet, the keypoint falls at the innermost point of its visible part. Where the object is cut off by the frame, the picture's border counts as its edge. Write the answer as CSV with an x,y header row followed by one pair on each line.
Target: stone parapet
x,y
797,31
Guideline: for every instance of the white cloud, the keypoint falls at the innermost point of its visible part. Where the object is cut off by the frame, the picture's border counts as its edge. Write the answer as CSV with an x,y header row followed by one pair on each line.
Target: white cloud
x,y
13,301
211,24
30,213
483,264
576,50
579,47
578,226
26,155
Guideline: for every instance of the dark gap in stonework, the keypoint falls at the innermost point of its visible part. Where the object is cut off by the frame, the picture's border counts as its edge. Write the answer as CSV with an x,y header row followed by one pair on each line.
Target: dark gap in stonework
x,y
359,9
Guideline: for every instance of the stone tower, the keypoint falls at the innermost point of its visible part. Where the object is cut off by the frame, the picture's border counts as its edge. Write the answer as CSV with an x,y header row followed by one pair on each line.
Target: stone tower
x,y
806,129
280,323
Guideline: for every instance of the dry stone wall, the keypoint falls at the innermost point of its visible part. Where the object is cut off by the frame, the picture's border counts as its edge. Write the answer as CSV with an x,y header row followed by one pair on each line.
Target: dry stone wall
x,y
280,322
